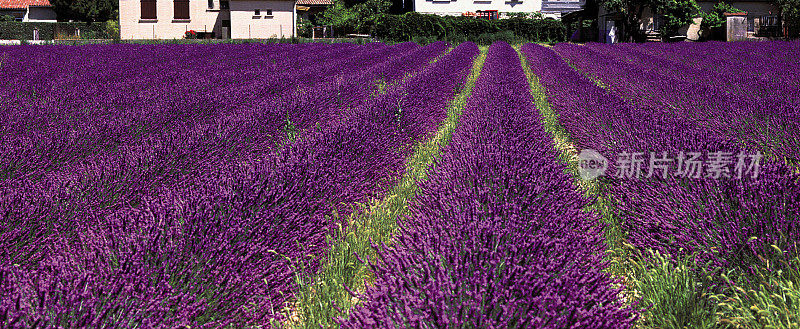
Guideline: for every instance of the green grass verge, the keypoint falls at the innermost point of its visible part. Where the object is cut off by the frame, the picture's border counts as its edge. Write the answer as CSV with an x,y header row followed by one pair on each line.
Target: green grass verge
x,y
328,295
670,292
679,293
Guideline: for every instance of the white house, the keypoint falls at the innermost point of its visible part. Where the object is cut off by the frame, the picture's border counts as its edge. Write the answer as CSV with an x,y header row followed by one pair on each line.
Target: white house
x,y
494,9
28,10
237,19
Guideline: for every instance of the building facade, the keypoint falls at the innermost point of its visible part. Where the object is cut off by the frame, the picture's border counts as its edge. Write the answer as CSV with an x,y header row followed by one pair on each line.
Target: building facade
x,y
498,8
221,19
28,10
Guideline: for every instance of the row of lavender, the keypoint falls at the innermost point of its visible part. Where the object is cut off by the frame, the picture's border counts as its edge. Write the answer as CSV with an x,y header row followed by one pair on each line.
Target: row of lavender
x,y
728,221
209,249
122,99
172,155
752,98
497,238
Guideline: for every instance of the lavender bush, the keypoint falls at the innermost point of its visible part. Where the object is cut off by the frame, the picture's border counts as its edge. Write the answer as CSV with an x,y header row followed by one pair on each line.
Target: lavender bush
x,y
215,242
497,239
729,222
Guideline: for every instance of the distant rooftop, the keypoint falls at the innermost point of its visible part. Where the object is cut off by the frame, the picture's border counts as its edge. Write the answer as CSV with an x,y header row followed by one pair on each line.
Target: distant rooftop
x,y
23,4
309,2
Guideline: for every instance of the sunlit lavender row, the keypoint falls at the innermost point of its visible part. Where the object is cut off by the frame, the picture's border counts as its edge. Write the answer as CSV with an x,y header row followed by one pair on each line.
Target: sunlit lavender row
x,y
400,185
731,222
191,226
498,238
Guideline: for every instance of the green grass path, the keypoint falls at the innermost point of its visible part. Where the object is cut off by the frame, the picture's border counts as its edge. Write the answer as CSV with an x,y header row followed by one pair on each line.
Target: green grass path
x,y
323,298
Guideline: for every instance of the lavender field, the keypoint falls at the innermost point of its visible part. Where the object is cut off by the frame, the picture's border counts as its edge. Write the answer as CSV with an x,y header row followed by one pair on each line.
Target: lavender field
x,y
400,186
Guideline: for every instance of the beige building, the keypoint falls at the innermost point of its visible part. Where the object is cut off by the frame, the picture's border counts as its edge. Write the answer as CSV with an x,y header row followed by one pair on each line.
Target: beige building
x,y
237,19
28,10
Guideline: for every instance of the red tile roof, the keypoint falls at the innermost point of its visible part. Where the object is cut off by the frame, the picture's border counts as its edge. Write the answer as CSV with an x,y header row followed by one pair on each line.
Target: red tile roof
x,y
23,4
311,2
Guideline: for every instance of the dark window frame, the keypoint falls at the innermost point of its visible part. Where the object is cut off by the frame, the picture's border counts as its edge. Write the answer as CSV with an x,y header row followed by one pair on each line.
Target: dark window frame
x,y
149,9
268,12
770,20
181,9
257,12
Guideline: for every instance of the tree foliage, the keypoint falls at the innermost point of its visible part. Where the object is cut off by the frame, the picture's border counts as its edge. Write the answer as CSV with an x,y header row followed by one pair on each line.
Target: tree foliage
x,y
790,9
354,17
677,14
632,11
86,10
716,17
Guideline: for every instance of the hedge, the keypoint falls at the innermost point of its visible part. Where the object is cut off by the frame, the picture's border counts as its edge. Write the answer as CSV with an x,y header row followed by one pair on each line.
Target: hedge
x,y
24,30
426,27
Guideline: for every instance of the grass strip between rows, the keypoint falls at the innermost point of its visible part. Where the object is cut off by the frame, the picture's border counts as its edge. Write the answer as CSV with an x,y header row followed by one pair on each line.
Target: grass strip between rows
x,y
569,154
320,300
617,251
670,291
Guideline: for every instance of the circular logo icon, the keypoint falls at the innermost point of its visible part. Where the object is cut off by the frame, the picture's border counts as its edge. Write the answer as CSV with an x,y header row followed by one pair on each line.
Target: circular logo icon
x,y
591,164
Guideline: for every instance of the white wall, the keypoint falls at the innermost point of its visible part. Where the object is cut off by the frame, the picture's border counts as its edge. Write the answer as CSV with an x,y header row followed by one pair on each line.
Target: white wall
x,y
458,7
246,25
40,14
201,19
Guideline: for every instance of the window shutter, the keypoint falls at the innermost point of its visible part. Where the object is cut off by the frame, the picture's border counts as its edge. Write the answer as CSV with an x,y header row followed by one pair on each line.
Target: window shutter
x,y
148,9
181,9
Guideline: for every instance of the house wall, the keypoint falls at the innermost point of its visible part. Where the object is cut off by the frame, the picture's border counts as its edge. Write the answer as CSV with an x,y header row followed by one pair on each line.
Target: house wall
x,y
246,25
201,19
40,14
458,7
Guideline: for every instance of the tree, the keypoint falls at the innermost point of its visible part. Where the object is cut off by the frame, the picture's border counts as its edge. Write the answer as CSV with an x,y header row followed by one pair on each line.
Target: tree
x,y
790,10
632,11
715,18
86,10
676,13
354,16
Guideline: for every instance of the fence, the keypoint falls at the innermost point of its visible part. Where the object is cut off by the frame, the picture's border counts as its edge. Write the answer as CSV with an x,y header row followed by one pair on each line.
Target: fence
x,y
53,31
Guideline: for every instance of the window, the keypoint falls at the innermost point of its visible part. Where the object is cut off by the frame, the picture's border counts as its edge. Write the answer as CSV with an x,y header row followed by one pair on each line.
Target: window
x,y
258,12
181,9
769,20
268,12
224,5
149,9
751,23
210,4
658,23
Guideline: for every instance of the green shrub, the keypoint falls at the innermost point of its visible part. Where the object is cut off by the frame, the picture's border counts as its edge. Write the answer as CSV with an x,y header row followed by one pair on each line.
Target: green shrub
x,y
304,27
47,31
112,29
716,17
426,28
490,38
